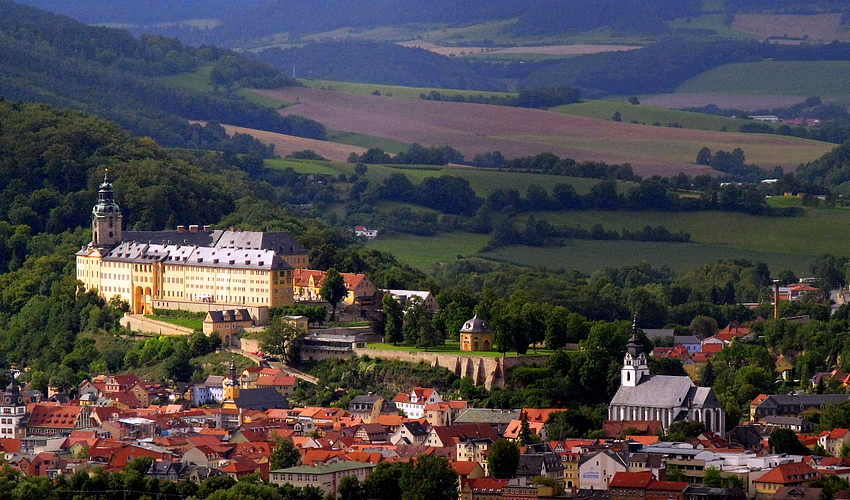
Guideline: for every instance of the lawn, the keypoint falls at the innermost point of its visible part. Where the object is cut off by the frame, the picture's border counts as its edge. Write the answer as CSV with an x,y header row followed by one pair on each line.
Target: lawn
x,y
649,115
454,348
817,232
781,242
311,166
424,252
587,256
194,324
826,79
391,90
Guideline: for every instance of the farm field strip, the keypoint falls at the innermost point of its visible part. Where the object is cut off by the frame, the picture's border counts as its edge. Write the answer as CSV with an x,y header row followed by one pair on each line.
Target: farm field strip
x,y
826,79
588,255
477,128
288,144
817,232
648,115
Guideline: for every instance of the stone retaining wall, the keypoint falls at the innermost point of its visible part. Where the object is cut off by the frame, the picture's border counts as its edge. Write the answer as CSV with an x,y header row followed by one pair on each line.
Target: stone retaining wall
x,y
484,370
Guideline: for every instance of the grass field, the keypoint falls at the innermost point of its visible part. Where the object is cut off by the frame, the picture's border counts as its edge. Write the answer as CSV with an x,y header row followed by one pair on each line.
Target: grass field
x,y
483,181
423,253
818,231
781,242
394,90
826,79
649,115
194,324
588,256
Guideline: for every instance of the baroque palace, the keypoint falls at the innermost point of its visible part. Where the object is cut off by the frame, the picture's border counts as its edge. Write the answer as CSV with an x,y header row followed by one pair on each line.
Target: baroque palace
x,y
194,269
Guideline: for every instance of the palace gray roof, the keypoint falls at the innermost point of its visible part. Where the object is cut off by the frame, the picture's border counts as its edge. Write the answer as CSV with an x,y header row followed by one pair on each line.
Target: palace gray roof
x,y
148,253
280,242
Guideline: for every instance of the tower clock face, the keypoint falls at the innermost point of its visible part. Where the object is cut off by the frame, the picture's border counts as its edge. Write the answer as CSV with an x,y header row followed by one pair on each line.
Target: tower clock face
x,y
7,400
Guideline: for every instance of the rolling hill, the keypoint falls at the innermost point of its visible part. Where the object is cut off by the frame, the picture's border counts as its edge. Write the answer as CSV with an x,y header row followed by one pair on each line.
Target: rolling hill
x,y
476,128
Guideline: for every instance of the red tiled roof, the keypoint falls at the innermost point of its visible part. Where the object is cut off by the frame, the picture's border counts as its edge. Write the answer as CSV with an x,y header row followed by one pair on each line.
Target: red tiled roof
x,y
64,417
789,474
486,484
464,468
631,480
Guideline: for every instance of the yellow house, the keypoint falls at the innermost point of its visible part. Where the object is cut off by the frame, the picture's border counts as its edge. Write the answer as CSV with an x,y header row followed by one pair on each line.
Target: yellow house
x,y
308,284
792,474
185,268
227,322
476,335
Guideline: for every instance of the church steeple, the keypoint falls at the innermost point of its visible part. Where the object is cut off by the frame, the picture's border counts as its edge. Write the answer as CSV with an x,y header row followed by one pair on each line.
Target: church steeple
x,y
106,216
634,363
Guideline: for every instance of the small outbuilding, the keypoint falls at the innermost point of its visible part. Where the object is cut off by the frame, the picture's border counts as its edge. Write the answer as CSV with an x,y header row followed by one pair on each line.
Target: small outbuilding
x,y
476,335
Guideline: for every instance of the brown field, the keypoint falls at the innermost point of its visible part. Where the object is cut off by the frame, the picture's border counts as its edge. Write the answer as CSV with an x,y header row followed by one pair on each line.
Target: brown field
x,y
477,128
288,144
727,101
820,27
554,50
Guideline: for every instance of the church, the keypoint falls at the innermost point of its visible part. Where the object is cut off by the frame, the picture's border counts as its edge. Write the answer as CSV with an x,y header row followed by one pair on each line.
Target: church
x,y
665,398
187,268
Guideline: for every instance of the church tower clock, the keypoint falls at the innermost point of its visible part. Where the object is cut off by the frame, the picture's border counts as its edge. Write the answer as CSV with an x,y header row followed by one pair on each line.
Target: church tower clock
x,y
106,217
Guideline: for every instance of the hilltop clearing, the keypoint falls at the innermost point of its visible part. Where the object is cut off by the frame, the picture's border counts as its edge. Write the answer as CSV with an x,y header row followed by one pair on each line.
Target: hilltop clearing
x,y
475,129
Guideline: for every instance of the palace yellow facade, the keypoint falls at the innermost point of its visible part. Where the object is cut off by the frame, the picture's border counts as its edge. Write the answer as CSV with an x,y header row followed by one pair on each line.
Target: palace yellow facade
x,y
221,268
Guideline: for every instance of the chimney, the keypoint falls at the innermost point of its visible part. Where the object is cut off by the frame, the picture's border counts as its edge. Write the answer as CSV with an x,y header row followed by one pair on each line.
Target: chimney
x,y
181,229
193,228
207,228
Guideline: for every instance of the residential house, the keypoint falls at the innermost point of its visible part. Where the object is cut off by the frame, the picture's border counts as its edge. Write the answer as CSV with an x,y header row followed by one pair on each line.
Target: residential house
x,y
790,405
325,477
52,420
547,464
228,322
485,488
412,432
832,441
444,412
367,407
210,392
404,295
283,384
413,403
364,232
789,474
796,424
372,433
474,450
498,419
597,470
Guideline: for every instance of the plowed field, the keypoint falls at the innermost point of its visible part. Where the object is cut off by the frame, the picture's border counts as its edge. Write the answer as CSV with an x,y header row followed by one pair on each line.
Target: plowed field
x,y
516,132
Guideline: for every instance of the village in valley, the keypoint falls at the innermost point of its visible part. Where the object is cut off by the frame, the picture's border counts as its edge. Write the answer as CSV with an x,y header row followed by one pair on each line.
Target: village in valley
x,y
665,436
444,250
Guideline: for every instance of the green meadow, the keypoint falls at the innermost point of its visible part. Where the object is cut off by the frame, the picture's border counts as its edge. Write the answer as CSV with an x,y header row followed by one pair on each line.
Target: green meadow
x,y
826,79
781,242
649,115
395,90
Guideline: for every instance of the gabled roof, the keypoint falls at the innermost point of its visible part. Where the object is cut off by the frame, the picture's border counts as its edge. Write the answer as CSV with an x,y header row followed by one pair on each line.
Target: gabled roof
x,y
631,480
792,473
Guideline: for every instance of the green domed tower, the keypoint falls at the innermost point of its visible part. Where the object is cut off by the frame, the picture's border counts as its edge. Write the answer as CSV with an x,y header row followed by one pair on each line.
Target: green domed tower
x,y
106,217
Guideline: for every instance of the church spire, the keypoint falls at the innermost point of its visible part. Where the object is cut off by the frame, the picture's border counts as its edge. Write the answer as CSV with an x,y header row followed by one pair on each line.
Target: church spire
x,y
634,363
635,345
106,216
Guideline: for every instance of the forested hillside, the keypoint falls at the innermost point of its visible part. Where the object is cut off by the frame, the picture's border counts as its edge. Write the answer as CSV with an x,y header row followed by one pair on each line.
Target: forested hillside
x,y
663,66
53,59
386,63
51,163
301,17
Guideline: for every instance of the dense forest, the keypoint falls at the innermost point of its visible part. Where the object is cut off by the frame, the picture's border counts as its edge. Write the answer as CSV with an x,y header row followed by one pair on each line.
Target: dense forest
x,y
298,17
53,59
373,62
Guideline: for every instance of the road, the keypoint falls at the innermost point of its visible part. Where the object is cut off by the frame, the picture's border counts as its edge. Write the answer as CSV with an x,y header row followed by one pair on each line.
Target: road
x,y
293,372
